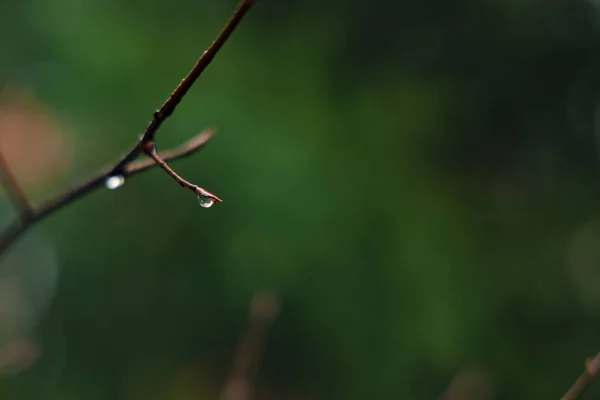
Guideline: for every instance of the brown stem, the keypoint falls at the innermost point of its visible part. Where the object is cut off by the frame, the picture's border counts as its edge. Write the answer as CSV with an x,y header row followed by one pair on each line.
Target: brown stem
x,y
592,367
204,61
263,311
149,149
14,190
186,149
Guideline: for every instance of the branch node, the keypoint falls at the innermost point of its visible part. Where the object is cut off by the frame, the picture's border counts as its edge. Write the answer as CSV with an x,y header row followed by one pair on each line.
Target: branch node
x,y
592,366
149,147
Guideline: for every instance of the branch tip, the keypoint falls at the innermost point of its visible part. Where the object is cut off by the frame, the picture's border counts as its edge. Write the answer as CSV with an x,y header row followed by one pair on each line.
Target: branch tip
x,y
205,193
592,366
201,138
590,372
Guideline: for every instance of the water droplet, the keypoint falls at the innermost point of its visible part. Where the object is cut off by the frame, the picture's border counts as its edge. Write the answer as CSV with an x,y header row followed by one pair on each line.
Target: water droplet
x,y
114,182
205,201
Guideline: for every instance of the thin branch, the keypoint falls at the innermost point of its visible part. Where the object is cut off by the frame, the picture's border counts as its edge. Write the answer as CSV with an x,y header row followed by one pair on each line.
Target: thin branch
x,y
263,310
188,148
126,167
150,149
12,232
204,61
50,206
14,190
592,367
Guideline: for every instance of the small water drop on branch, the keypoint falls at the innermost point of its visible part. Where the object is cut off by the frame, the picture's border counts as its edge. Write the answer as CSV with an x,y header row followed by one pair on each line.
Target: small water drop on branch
x,y
205,201
114,182
205,198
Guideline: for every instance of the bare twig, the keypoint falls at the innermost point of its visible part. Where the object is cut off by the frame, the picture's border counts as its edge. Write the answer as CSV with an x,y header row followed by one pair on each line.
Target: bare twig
x,y
150,149
12,232
127,166
188,148
14,190
263,311
592,367
169,106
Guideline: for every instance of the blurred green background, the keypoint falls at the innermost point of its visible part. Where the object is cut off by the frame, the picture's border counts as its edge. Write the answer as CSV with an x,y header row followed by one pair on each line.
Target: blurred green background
x,y
418,181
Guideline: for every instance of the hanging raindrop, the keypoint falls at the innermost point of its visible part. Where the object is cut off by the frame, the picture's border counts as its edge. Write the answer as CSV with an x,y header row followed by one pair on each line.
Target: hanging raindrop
x,y
205,201
114,182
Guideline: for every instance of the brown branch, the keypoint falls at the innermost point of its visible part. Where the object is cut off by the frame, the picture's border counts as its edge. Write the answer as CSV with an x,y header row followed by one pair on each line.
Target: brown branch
x,y
150,149
169,106
263,311
14,190
188,148
592,367
12,232
126,167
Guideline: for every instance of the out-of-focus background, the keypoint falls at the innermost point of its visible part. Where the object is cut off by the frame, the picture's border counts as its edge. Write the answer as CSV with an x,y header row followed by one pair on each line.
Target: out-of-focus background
x,y
417,181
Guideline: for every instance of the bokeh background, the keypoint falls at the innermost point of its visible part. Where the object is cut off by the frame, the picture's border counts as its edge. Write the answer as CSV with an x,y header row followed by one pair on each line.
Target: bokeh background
x,y
417,181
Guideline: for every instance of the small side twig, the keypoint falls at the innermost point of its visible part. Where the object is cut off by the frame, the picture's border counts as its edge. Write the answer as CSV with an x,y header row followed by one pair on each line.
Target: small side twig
x,y
16,193
150,149
592,367
127,166
188,148
263,311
